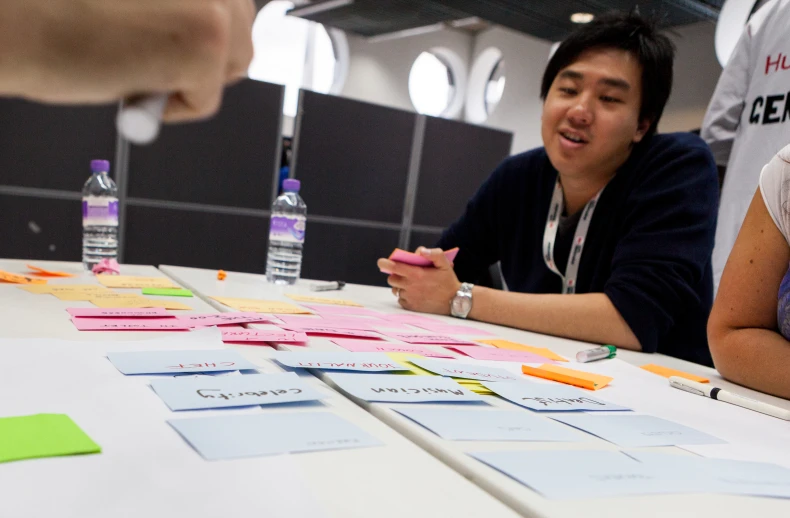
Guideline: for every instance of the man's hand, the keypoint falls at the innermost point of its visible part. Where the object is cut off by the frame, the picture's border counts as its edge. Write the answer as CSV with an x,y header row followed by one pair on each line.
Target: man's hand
x,y
98,51
425,289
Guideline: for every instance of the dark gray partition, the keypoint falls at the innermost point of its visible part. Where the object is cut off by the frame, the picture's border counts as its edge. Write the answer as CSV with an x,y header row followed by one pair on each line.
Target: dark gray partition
x,y
230,159
196,238
423,238
352,157
346,253
456,159
41,228
51,147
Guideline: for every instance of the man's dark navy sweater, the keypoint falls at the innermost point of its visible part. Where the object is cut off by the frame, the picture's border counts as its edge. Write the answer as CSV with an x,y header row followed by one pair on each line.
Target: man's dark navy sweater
x,y
648,247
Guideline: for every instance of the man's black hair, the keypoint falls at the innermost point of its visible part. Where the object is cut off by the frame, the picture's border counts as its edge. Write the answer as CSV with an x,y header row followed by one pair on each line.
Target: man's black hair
x,y
632,33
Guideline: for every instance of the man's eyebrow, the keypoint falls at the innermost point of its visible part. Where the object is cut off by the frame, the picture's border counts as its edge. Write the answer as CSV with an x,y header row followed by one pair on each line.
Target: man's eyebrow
x,y
608,81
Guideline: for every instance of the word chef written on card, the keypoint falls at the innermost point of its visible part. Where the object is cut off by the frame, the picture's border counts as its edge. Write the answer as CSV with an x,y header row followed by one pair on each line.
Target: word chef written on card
x,y
394,388
636,431
253,435
544,397
363,362
456,424
233,391
456,369
165,362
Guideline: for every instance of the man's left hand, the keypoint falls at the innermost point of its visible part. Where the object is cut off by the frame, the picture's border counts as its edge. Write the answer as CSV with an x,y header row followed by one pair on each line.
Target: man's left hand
x,y
427,289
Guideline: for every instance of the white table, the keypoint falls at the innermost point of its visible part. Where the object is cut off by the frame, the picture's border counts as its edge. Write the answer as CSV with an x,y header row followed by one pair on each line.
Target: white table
x,y
632,387
147,469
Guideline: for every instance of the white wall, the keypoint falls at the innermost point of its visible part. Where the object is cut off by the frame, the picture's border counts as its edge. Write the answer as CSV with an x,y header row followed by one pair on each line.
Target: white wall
x,y
379,71
696,72
519,110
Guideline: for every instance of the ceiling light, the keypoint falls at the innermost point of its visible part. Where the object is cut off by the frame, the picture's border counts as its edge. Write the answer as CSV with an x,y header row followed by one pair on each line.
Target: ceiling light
x,y
582,17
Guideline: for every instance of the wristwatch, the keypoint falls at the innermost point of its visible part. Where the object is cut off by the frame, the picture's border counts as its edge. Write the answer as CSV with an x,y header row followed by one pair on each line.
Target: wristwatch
x,y
461,304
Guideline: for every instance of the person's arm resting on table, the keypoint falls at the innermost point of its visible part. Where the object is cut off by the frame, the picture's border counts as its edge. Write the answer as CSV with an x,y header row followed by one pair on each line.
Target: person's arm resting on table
x,y
746,345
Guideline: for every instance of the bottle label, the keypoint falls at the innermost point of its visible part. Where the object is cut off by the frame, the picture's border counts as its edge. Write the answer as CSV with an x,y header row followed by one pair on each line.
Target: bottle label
x,y
99,211
287,228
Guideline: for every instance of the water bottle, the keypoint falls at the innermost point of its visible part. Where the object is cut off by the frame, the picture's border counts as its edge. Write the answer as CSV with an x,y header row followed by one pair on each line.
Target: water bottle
x,y
99,216
286,235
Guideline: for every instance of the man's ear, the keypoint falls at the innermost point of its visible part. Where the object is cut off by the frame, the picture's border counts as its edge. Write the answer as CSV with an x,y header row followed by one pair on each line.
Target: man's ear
x,y
641,130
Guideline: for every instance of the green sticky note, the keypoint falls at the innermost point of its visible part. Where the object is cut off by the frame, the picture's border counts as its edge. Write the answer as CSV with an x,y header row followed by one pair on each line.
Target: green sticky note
x,y
42,435
167,292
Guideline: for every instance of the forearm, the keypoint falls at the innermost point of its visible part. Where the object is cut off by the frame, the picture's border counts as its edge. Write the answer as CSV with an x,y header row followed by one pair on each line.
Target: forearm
x,y
589,317
753,357
20,34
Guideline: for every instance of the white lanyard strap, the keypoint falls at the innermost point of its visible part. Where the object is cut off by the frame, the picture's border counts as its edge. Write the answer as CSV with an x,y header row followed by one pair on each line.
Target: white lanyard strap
x,y
550,237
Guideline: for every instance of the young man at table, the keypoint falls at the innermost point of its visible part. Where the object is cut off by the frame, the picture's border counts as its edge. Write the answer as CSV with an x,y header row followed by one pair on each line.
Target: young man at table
x,y
605,233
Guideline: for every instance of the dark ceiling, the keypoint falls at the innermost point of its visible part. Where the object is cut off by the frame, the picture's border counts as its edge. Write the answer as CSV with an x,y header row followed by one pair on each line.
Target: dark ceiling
x,y
546,19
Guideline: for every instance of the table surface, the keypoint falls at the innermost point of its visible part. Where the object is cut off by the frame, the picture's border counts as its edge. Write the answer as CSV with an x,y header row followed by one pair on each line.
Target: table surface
x,y
147,469
750,435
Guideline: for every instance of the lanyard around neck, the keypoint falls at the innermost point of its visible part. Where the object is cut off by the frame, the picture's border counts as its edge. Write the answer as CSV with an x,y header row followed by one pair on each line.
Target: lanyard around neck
x,y
550,237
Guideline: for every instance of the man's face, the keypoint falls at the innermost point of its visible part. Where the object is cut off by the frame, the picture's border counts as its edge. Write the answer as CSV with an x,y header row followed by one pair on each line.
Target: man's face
x,y
591,113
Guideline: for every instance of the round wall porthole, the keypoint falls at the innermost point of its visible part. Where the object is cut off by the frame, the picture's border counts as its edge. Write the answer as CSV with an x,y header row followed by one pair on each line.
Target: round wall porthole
x,y
437,82
486,85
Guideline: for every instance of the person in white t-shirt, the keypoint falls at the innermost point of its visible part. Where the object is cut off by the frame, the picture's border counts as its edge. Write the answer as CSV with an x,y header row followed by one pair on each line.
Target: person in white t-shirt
x,y
748,118
749,327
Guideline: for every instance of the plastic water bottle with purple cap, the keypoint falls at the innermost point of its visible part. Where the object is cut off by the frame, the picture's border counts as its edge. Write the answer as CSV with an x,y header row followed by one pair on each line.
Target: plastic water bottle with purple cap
x,y
99,216
286,235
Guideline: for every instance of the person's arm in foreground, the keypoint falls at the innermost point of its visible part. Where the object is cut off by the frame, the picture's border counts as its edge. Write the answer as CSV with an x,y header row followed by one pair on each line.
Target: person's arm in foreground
x,y
100,51
589,317
742,330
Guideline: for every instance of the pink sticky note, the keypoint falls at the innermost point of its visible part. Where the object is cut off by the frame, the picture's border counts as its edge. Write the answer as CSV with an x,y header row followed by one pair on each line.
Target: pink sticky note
x,y
446,329
129,324
120,313
486,353
411,338
409,318
214,319
342,310
261,335
328,330
402,256
365,346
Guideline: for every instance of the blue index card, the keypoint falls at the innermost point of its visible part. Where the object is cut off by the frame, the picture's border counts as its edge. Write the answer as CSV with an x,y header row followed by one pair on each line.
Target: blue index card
x,y
394,388
637,430
253,435
724,475
456,369
544,397
347,361
456,424
231,391
581,474
165,362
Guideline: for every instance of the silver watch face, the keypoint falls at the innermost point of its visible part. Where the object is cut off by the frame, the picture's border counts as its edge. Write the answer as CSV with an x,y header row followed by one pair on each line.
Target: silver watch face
x,y
462,305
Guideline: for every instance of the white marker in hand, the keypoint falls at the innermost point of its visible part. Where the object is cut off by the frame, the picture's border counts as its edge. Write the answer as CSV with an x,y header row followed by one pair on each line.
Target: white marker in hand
x,y
139,120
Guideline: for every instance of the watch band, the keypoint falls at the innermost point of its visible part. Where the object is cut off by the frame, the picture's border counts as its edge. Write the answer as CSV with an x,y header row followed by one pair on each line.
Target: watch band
x,y
461,304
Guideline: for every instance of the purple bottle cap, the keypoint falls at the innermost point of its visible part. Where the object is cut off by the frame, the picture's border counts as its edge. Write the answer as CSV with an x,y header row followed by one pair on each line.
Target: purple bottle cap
x,y
291,185
100,166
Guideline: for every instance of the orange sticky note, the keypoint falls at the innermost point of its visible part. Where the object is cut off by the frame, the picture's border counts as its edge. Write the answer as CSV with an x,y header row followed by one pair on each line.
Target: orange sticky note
x,y
667,372
19,279
513,346
573,377
42,271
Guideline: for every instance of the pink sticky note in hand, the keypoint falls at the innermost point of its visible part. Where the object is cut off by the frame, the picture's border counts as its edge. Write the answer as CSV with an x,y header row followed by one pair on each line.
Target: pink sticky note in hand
x,y
402,256
504,355
411,338
129,324
119,313
262,335
365,346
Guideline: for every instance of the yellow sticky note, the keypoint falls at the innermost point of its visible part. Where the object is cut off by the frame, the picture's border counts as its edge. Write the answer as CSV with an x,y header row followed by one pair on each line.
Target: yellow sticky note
x,y
262,306
667,372
113,299
38,289
19,279
403,359
76,291
128,281
513,346
165,304
574,377
50,273
322,300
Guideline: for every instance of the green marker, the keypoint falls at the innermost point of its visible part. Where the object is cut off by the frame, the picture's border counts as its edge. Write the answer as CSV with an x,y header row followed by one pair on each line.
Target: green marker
x,y
167,292
599,353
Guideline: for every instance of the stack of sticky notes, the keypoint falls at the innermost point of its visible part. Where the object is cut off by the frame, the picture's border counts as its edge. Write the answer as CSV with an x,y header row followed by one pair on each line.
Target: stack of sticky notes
x,y
574,377
42,435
